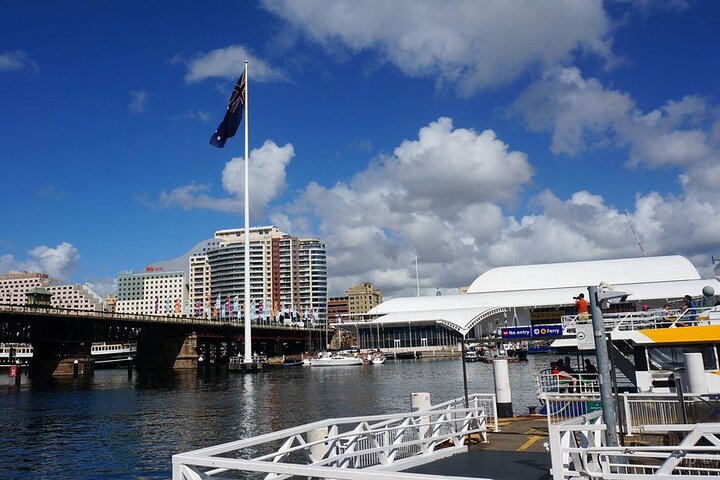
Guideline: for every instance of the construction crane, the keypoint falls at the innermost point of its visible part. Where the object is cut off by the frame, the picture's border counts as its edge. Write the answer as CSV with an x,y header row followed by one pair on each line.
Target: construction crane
x,y
627,217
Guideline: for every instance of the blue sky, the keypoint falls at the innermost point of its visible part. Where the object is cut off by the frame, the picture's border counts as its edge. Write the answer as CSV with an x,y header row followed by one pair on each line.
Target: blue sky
x,y
471,134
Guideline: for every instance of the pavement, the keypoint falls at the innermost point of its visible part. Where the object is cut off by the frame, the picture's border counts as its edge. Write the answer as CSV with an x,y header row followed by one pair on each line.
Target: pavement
x,y
516,452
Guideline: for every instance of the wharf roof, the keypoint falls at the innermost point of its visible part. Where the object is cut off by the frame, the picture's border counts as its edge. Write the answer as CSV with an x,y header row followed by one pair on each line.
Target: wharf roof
x,y
582,274
663,278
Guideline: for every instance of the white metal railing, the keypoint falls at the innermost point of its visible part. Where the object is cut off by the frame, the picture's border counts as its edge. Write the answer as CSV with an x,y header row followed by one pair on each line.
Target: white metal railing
x,y
485,401
646,411
578,450
656,318
345,448
640,411
561,407
548,382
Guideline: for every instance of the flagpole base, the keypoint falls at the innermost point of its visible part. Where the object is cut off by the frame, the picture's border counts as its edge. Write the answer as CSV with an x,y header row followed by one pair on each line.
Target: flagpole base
x,y
253,367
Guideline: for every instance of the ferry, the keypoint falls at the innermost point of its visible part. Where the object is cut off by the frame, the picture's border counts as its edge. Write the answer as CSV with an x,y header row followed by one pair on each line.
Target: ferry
x,y
110,355
15,351
648,346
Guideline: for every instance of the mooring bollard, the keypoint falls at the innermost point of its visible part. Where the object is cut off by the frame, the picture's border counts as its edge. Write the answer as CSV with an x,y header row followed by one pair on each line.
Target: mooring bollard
x,y
421,401
502,388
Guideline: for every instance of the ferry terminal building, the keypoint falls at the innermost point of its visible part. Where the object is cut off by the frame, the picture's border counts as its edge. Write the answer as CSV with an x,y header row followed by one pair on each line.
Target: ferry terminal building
x,y
521,295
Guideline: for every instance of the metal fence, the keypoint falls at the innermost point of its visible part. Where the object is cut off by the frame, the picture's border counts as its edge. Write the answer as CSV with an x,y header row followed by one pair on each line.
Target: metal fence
x,y
578,450
346,448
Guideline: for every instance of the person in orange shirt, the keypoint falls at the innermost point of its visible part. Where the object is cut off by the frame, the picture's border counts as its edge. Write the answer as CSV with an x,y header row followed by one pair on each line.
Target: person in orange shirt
x,y
581,305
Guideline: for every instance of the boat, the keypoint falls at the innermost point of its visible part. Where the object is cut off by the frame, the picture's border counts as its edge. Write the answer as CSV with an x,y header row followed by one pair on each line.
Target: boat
x,y
648,346
377,359
11,353
471,356
335,360
296,363
110,355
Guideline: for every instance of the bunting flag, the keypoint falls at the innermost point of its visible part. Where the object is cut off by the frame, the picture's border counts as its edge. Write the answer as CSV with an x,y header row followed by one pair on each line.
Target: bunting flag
x,y
233,115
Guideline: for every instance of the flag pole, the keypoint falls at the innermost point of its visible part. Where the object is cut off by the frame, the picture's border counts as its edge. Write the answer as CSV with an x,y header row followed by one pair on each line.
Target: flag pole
x,y
247,358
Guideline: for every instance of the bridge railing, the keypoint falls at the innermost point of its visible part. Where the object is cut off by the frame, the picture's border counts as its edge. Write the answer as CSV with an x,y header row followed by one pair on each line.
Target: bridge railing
x,y
344,448
135,317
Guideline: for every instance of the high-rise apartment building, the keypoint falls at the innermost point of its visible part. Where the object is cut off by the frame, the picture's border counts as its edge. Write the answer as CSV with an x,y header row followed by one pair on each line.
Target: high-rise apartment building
x,y
287,273
363,297
152,293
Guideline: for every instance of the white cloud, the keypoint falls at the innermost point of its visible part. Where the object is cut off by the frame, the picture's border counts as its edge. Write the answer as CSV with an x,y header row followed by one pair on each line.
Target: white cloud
x,y
138,102
434,197
58,262
582,114
228,63
104,286
16,61
267,181
467,44
190,114
439,197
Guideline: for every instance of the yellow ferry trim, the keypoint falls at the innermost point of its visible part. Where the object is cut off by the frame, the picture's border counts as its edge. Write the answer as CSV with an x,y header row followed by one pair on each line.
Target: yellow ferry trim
x,y
701,333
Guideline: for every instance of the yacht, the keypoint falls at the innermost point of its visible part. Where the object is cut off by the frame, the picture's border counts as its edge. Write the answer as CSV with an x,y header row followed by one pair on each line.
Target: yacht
x,y
335,360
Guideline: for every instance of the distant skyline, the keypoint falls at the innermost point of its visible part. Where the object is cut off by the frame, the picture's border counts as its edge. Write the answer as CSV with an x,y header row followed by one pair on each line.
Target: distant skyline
x,y
472,134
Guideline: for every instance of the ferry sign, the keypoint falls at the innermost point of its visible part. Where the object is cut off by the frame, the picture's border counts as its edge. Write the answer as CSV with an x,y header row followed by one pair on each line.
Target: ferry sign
x,y
547,331
537,331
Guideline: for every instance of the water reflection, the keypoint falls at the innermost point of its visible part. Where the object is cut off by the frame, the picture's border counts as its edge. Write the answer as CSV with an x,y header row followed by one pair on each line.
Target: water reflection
x,y
120,427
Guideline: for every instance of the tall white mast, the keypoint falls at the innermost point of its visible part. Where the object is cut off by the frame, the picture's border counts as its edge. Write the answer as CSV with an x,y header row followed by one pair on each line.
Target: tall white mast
x,y
247,359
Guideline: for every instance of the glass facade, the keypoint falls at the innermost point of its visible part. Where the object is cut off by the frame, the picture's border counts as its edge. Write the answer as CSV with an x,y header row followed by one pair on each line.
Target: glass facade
x,y
406,336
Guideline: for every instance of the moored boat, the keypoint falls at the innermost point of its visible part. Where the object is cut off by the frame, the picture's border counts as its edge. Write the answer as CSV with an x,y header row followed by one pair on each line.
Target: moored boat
x,y
335,360
110,355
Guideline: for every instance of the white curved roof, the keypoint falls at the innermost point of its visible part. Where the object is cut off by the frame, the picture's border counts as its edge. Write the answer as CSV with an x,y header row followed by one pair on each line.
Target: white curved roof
x,y
582,274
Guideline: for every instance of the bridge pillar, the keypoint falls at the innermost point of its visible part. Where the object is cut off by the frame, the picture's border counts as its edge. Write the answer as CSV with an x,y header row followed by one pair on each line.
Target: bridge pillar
x,y
58,359
178,352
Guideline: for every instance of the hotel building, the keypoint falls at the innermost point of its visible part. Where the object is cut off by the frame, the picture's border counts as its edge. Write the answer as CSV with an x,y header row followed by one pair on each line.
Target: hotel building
x,y
152,293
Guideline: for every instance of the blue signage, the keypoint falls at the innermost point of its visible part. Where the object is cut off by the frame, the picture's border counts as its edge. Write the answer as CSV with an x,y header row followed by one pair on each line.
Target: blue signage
x,y
537,331
516,332
547,331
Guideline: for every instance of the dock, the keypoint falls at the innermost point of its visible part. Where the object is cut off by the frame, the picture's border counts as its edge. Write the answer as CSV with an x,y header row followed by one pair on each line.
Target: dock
x,y
516,452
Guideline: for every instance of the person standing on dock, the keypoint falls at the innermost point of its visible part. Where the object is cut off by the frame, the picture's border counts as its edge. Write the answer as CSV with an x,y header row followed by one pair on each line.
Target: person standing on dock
x,y
581,307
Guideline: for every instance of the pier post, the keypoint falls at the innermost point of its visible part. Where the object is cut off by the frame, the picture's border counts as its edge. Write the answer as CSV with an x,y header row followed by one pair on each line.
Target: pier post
x,y
317,452
695,371
502,388
421,401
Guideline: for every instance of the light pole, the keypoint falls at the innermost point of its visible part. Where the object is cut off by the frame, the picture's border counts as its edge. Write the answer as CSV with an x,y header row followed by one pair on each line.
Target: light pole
x,y
603,361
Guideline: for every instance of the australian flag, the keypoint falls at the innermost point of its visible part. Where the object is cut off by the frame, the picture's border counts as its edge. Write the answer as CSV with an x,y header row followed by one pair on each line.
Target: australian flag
x,y
233,115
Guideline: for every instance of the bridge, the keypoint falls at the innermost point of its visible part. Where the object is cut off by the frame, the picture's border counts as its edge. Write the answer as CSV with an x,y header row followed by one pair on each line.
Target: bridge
x,y
59,336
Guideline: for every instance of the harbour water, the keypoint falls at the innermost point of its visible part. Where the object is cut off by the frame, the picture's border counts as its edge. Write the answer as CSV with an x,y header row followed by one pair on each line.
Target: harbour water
x,y
111,426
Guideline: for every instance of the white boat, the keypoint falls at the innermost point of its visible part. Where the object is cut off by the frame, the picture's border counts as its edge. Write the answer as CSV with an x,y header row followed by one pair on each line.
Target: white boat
x,y
335,360
108,355
18,351
378,359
